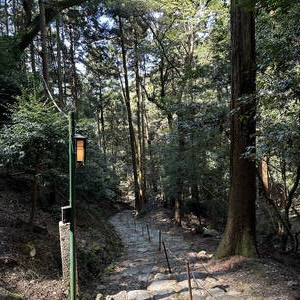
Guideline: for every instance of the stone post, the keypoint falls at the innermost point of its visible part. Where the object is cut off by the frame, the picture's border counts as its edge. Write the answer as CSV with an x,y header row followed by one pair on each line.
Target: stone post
x,y
64,233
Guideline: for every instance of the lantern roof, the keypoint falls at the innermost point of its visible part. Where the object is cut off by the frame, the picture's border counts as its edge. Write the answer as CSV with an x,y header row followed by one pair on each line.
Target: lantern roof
x,y
79,137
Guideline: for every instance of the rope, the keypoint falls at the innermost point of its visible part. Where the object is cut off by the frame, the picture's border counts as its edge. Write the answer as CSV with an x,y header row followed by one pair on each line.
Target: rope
x,y
203,287
197,281
174,256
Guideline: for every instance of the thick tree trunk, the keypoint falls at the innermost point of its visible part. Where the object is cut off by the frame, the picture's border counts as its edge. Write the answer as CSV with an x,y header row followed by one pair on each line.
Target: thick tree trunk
x,y
239,236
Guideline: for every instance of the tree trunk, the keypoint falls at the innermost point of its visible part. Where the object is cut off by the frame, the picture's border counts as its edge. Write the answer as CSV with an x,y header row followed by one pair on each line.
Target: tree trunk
x,y
27,6
32,58
64,57
129,116
74,76
143,155
43,28
102,124
34,194
264,174
153,170
59,61
239,237
194,183
6,17
179,172
141,174
180,128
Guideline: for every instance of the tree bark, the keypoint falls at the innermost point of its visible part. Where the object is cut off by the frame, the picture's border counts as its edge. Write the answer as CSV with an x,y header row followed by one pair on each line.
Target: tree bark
x,y
153,170
129,116
43,28
59,61
6,17
181,156
179,171
34,194
141,174
100,122
27,6
264,174
75,81
239,237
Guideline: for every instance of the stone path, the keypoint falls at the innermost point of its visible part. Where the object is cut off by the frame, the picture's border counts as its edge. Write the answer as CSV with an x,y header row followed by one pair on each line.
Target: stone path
x,y
142,273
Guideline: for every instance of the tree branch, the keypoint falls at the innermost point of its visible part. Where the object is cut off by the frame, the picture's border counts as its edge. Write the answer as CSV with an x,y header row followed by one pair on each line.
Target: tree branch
x,y
278,215
294,188
153,99
161,45
52,8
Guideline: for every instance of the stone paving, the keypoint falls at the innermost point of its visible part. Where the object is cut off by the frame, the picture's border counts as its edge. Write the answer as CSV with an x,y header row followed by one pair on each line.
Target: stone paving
x,y
142,272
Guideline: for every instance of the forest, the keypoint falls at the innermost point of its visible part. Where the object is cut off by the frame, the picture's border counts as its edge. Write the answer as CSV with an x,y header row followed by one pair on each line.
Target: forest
x,y
190,108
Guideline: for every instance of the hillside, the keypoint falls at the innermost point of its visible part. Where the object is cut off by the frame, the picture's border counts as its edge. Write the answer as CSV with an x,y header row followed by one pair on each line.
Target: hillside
x,y
30,262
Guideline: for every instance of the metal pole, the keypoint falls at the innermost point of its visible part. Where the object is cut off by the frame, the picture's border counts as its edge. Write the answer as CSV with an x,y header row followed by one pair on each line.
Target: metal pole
x,y
73,207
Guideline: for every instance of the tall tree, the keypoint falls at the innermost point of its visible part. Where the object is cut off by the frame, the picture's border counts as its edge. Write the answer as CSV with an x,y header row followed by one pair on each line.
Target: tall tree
x,y
43,28
239,236
140,132
129,115
59,60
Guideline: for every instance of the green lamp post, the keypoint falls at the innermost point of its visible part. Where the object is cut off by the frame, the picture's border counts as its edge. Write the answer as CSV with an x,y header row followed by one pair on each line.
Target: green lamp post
x,y
77,150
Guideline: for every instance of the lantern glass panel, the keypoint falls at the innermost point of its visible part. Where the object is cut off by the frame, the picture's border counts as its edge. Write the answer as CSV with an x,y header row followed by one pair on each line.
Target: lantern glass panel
x,y
80,150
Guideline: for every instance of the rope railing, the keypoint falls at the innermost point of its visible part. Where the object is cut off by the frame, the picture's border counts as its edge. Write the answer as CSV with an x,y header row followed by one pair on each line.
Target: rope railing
x,y
169,253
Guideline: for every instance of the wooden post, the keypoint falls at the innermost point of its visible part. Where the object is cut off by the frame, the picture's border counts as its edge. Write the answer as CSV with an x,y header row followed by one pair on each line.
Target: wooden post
x,y
189,279
159,240
148,233
166,254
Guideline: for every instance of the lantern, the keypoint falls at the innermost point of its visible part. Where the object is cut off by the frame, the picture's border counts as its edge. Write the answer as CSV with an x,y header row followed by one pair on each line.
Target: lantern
x,y
80,148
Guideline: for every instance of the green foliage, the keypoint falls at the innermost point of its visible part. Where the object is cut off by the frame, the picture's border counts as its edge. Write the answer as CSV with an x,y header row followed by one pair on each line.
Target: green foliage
x,y
96,181
278,85
37,134
204,163
10,76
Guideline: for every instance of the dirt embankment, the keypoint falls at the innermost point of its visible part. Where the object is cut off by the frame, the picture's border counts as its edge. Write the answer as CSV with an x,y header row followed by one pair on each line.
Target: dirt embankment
x,y
30,260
